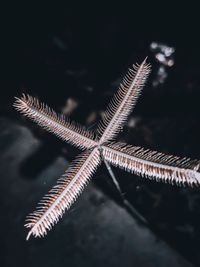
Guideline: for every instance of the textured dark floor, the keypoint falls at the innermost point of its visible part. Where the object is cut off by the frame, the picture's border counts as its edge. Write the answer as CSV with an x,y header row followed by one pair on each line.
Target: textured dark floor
x,y
95,232
72,57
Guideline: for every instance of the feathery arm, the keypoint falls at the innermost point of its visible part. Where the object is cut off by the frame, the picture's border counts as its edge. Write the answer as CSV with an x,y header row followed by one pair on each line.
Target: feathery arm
x,y
54,123
61,196
123,102
152,164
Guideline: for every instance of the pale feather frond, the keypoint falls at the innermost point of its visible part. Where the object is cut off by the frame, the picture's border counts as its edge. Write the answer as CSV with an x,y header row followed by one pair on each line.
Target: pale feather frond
x,y
143,162
53,205
54,123
123,102
153,164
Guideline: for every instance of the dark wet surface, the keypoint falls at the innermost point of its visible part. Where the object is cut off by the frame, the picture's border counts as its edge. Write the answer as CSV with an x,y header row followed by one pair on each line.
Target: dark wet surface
x,y
95,232
74,60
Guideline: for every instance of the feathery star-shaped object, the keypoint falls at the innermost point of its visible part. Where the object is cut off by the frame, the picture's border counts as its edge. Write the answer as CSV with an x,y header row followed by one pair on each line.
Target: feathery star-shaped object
x,y
144,162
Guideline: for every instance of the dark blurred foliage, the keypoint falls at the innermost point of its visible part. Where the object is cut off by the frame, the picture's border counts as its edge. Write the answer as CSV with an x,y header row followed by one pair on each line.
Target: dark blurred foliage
x,y
80,52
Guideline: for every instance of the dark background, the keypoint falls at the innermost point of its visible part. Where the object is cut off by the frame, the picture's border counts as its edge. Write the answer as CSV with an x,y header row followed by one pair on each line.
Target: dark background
x,y
80,52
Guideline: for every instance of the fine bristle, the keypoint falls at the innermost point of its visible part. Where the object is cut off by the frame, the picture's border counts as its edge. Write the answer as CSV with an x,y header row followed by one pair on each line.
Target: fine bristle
x,y
153,164
123,102
53,205
54,123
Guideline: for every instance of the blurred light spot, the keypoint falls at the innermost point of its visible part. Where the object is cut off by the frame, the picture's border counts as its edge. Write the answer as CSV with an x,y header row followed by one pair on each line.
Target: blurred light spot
x,y
164,55
70,105
59,43
132,122
138,188
91,118
88,88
